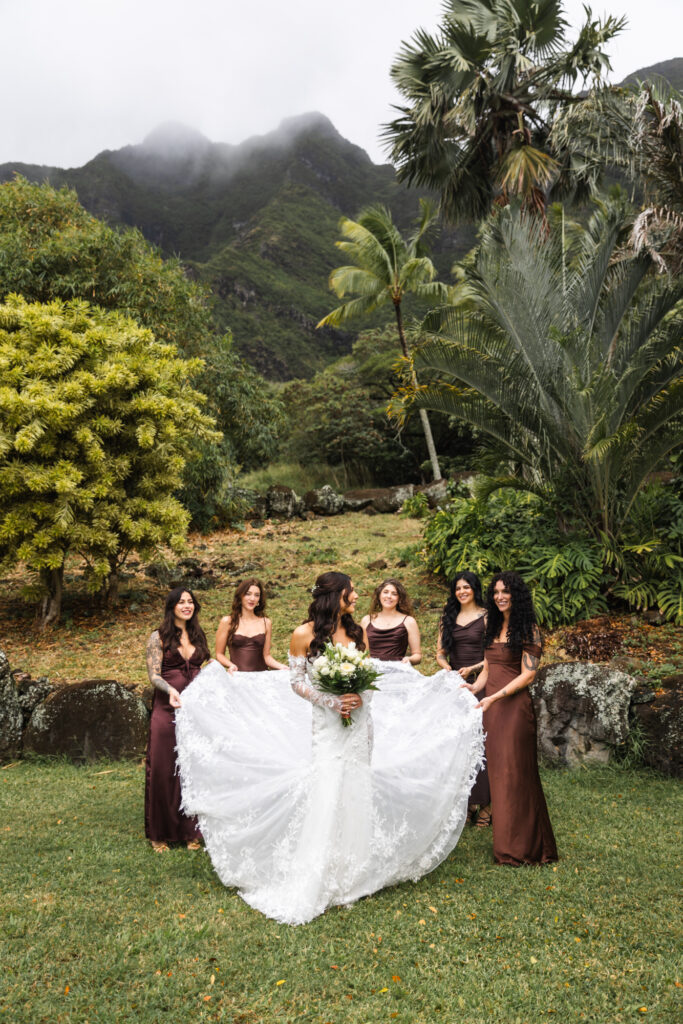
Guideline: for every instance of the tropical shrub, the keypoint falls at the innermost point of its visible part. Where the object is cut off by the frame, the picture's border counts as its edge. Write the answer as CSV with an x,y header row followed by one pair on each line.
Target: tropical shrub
x,y
570,362
96,422
572,575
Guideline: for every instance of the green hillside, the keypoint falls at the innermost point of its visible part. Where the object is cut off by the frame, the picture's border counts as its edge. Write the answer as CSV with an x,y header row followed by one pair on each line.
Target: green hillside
x,y
670,71
257,222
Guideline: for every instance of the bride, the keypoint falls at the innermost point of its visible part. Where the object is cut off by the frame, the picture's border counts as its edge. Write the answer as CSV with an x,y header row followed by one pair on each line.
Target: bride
x,y
300,813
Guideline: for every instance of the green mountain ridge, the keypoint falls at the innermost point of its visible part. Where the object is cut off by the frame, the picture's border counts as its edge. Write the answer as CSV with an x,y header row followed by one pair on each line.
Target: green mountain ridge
x,y
257,221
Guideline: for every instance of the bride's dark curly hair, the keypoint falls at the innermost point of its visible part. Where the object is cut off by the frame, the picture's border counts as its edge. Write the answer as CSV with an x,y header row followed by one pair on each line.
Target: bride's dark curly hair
x,y
169,633
523,626
324,611
452,607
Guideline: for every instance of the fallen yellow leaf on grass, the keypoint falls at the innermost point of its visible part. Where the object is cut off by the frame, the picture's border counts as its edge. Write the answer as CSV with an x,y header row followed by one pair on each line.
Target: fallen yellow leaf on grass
x,y
422,921
212,979
395,977
433,910
533,960
66,990
280,982
383,990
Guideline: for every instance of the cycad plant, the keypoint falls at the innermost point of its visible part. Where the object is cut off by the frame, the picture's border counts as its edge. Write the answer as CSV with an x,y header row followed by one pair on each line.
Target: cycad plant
x,y
571,361
481,96
384,267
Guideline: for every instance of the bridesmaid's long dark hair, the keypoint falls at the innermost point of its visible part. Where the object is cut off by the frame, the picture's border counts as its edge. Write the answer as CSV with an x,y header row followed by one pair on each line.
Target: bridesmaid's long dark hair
x,y
324,613
170,633
452,607
523,626
236,610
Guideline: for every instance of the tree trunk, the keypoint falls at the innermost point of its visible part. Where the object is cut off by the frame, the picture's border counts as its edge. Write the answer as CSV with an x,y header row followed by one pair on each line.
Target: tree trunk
x,y
109,594
429,438
51,607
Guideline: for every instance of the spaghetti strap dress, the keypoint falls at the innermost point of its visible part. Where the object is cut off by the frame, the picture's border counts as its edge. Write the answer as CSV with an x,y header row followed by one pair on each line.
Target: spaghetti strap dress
x,y
164,820
467,648
247,652
388,644
522,833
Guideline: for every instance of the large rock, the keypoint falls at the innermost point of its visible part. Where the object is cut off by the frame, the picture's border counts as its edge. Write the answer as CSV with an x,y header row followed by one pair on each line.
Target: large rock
x,y
382,499
582,711
283,503
11,718
324,501
661,722
30,692
435,492
88,720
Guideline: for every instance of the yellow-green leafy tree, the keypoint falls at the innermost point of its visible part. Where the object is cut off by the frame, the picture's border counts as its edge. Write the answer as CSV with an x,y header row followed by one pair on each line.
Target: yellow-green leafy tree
x,y
97,419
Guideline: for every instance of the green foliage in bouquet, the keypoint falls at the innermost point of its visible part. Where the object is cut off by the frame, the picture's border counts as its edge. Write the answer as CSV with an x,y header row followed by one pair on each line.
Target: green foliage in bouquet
x,y
97,419
342,669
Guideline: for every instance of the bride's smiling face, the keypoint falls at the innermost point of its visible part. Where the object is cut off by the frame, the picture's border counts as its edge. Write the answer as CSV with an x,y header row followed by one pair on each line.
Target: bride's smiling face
x,y
348,600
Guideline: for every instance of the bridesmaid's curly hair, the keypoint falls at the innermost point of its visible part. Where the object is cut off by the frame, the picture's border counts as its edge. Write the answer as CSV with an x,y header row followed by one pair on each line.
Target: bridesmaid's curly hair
x,y
405,605
236,610
169,633
452,607
523,626
324,612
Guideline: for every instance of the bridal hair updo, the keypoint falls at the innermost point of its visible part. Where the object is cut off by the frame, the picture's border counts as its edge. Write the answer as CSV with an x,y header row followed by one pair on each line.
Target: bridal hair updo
x,y
169,633
236,610
452,607
324,611
523,626
405,605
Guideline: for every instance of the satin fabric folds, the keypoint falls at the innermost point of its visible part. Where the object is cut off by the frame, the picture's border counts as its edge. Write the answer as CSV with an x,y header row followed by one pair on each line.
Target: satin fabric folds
x,y
300,813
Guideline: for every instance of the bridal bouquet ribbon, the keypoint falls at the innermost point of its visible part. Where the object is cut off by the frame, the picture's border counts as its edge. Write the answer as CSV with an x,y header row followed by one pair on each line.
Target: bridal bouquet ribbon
x,y
344,669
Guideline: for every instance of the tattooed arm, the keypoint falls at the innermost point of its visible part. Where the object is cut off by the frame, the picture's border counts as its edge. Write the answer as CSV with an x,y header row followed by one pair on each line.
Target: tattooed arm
x,y
155,654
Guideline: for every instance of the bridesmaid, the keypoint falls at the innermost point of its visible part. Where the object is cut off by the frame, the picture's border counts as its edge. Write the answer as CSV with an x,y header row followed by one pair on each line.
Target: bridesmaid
x,y
175,652
390,626
246,632
522,833
461,647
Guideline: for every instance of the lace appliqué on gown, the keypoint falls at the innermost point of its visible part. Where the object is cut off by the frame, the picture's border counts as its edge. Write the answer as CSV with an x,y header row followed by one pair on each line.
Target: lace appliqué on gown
x,y
300,813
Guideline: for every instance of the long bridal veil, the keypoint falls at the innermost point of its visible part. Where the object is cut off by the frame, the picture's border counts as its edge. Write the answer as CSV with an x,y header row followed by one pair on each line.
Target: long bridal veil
x,y
300,813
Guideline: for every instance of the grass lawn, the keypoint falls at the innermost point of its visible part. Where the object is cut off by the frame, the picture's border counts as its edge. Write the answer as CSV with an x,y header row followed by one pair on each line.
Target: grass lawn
x,y
97,928
110,644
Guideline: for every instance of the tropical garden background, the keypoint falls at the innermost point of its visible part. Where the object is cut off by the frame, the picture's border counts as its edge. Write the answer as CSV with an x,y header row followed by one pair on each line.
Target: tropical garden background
x,y
507,316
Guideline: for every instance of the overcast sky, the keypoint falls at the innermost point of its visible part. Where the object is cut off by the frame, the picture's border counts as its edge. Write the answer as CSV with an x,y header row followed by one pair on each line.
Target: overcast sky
x,y
80,76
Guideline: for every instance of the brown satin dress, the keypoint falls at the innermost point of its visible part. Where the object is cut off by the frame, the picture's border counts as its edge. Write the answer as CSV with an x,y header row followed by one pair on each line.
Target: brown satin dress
x,y
247,652
467,648
388,644
164,821
522,833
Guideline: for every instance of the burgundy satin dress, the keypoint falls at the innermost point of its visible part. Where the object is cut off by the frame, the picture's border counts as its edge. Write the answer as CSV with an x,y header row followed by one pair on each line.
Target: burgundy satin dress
x,y
467,648
522,833
388,644
247,652
164,821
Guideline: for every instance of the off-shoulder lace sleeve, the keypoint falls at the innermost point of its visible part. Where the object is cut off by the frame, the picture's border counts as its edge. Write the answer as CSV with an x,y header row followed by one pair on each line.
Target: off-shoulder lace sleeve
x,y
302,687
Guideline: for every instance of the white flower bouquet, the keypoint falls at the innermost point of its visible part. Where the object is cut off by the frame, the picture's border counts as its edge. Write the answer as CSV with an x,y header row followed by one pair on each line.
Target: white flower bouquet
x,y
344,669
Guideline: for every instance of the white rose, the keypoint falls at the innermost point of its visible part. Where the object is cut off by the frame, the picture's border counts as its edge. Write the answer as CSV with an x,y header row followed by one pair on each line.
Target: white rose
x,y
352,645
325,670
319,662
347,669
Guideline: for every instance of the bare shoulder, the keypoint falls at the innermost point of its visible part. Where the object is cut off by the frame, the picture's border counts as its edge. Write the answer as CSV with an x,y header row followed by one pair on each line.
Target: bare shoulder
x,y
226,620
364,621
154,639
410,620
304,632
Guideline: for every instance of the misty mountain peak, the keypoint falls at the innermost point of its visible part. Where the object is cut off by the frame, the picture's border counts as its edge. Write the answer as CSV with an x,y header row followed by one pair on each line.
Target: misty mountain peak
x,y
174,139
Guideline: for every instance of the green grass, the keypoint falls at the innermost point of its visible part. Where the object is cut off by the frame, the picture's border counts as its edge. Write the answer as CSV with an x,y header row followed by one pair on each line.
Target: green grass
x,y
293,474
96,928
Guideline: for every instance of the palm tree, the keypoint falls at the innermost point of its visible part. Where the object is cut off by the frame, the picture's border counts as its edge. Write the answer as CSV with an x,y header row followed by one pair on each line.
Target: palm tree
x,y
481,97
640,132
385,267
571,362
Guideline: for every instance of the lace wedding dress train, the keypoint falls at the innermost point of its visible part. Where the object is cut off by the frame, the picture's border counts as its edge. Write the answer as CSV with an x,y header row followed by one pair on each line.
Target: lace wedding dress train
x,y
300,813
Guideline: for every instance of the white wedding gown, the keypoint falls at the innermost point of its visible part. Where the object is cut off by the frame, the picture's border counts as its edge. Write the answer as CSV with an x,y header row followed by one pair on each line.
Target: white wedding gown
x,y
300,813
